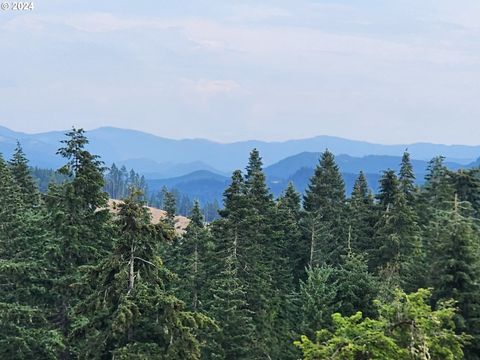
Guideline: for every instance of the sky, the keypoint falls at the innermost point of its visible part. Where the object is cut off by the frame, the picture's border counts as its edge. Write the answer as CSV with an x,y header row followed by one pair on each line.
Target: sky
x,y
386,71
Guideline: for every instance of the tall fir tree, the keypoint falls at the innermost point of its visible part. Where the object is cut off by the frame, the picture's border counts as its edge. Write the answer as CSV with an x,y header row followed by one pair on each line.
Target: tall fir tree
x,y
228,301
438,190
130,314
78,215
293,245
324,203
362,217
467,187
229,308
170,206
23,177
399,252
388,190
190,261
317,296
288,268
406,179
260,256
357,288
25,332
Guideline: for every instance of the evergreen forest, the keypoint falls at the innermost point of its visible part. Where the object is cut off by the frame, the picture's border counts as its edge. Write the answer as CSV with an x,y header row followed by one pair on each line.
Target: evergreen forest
x,y
319,275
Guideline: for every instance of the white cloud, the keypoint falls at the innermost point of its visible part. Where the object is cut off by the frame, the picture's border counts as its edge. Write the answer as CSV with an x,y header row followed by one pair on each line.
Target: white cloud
x,y
212,87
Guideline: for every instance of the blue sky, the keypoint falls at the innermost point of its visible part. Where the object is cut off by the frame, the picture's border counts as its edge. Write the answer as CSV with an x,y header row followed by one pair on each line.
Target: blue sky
x,y
383,71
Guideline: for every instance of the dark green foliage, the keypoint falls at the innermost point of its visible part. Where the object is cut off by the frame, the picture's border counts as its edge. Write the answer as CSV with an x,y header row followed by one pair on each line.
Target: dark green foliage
x,y
317,296
118,182
456,269
324,203
438,191
467,187
357,288
291,243
389,188
45,177
361,217
229,308
78,281
210,211
399,253
130,314
406,179
24,330
170,206
191,255
346,289
79,225
23,177
326,190
24,335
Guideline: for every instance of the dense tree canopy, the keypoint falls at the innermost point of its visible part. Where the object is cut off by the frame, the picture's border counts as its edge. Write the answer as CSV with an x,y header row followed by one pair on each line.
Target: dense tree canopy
x,y
388,276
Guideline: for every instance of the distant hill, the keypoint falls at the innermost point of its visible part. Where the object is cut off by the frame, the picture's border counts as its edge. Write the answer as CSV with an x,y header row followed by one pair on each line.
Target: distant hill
x,y
40,153
203,185
135,148
298,169
200,168
206,186
154,170
370,164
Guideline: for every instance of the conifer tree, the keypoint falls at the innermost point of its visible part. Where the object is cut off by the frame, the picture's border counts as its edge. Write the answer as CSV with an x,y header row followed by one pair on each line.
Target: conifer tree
x,y
24,329
389,188
170,206
228,304
362,217
456,270
229,308
11,203
467,187
288,267
324,203
317,297
406,179
23,177
113,182
326,190
292,244
78,216
438,191
262,257
259,196
124,182
130,314
357,288
436,195
190,265
400,251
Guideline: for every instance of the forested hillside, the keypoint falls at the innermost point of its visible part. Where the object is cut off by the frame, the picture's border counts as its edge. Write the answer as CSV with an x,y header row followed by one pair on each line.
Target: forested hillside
x,y
321,276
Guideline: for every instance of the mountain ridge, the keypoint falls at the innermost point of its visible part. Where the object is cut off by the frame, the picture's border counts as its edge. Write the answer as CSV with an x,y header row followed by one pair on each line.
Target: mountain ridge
x,y
120,145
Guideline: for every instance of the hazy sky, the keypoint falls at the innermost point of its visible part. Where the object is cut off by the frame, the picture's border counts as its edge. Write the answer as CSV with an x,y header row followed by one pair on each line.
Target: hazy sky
x,y
389,71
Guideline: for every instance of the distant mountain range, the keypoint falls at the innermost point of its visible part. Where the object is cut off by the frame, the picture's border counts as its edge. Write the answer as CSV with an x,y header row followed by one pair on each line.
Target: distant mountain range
x,y
138,148
200,168
298,169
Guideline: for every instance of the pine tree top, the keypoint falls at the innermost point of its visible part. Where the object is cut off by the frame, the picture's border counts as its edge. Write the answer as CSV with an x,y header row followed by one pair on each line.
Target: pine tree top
x,y
326,188
196,216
